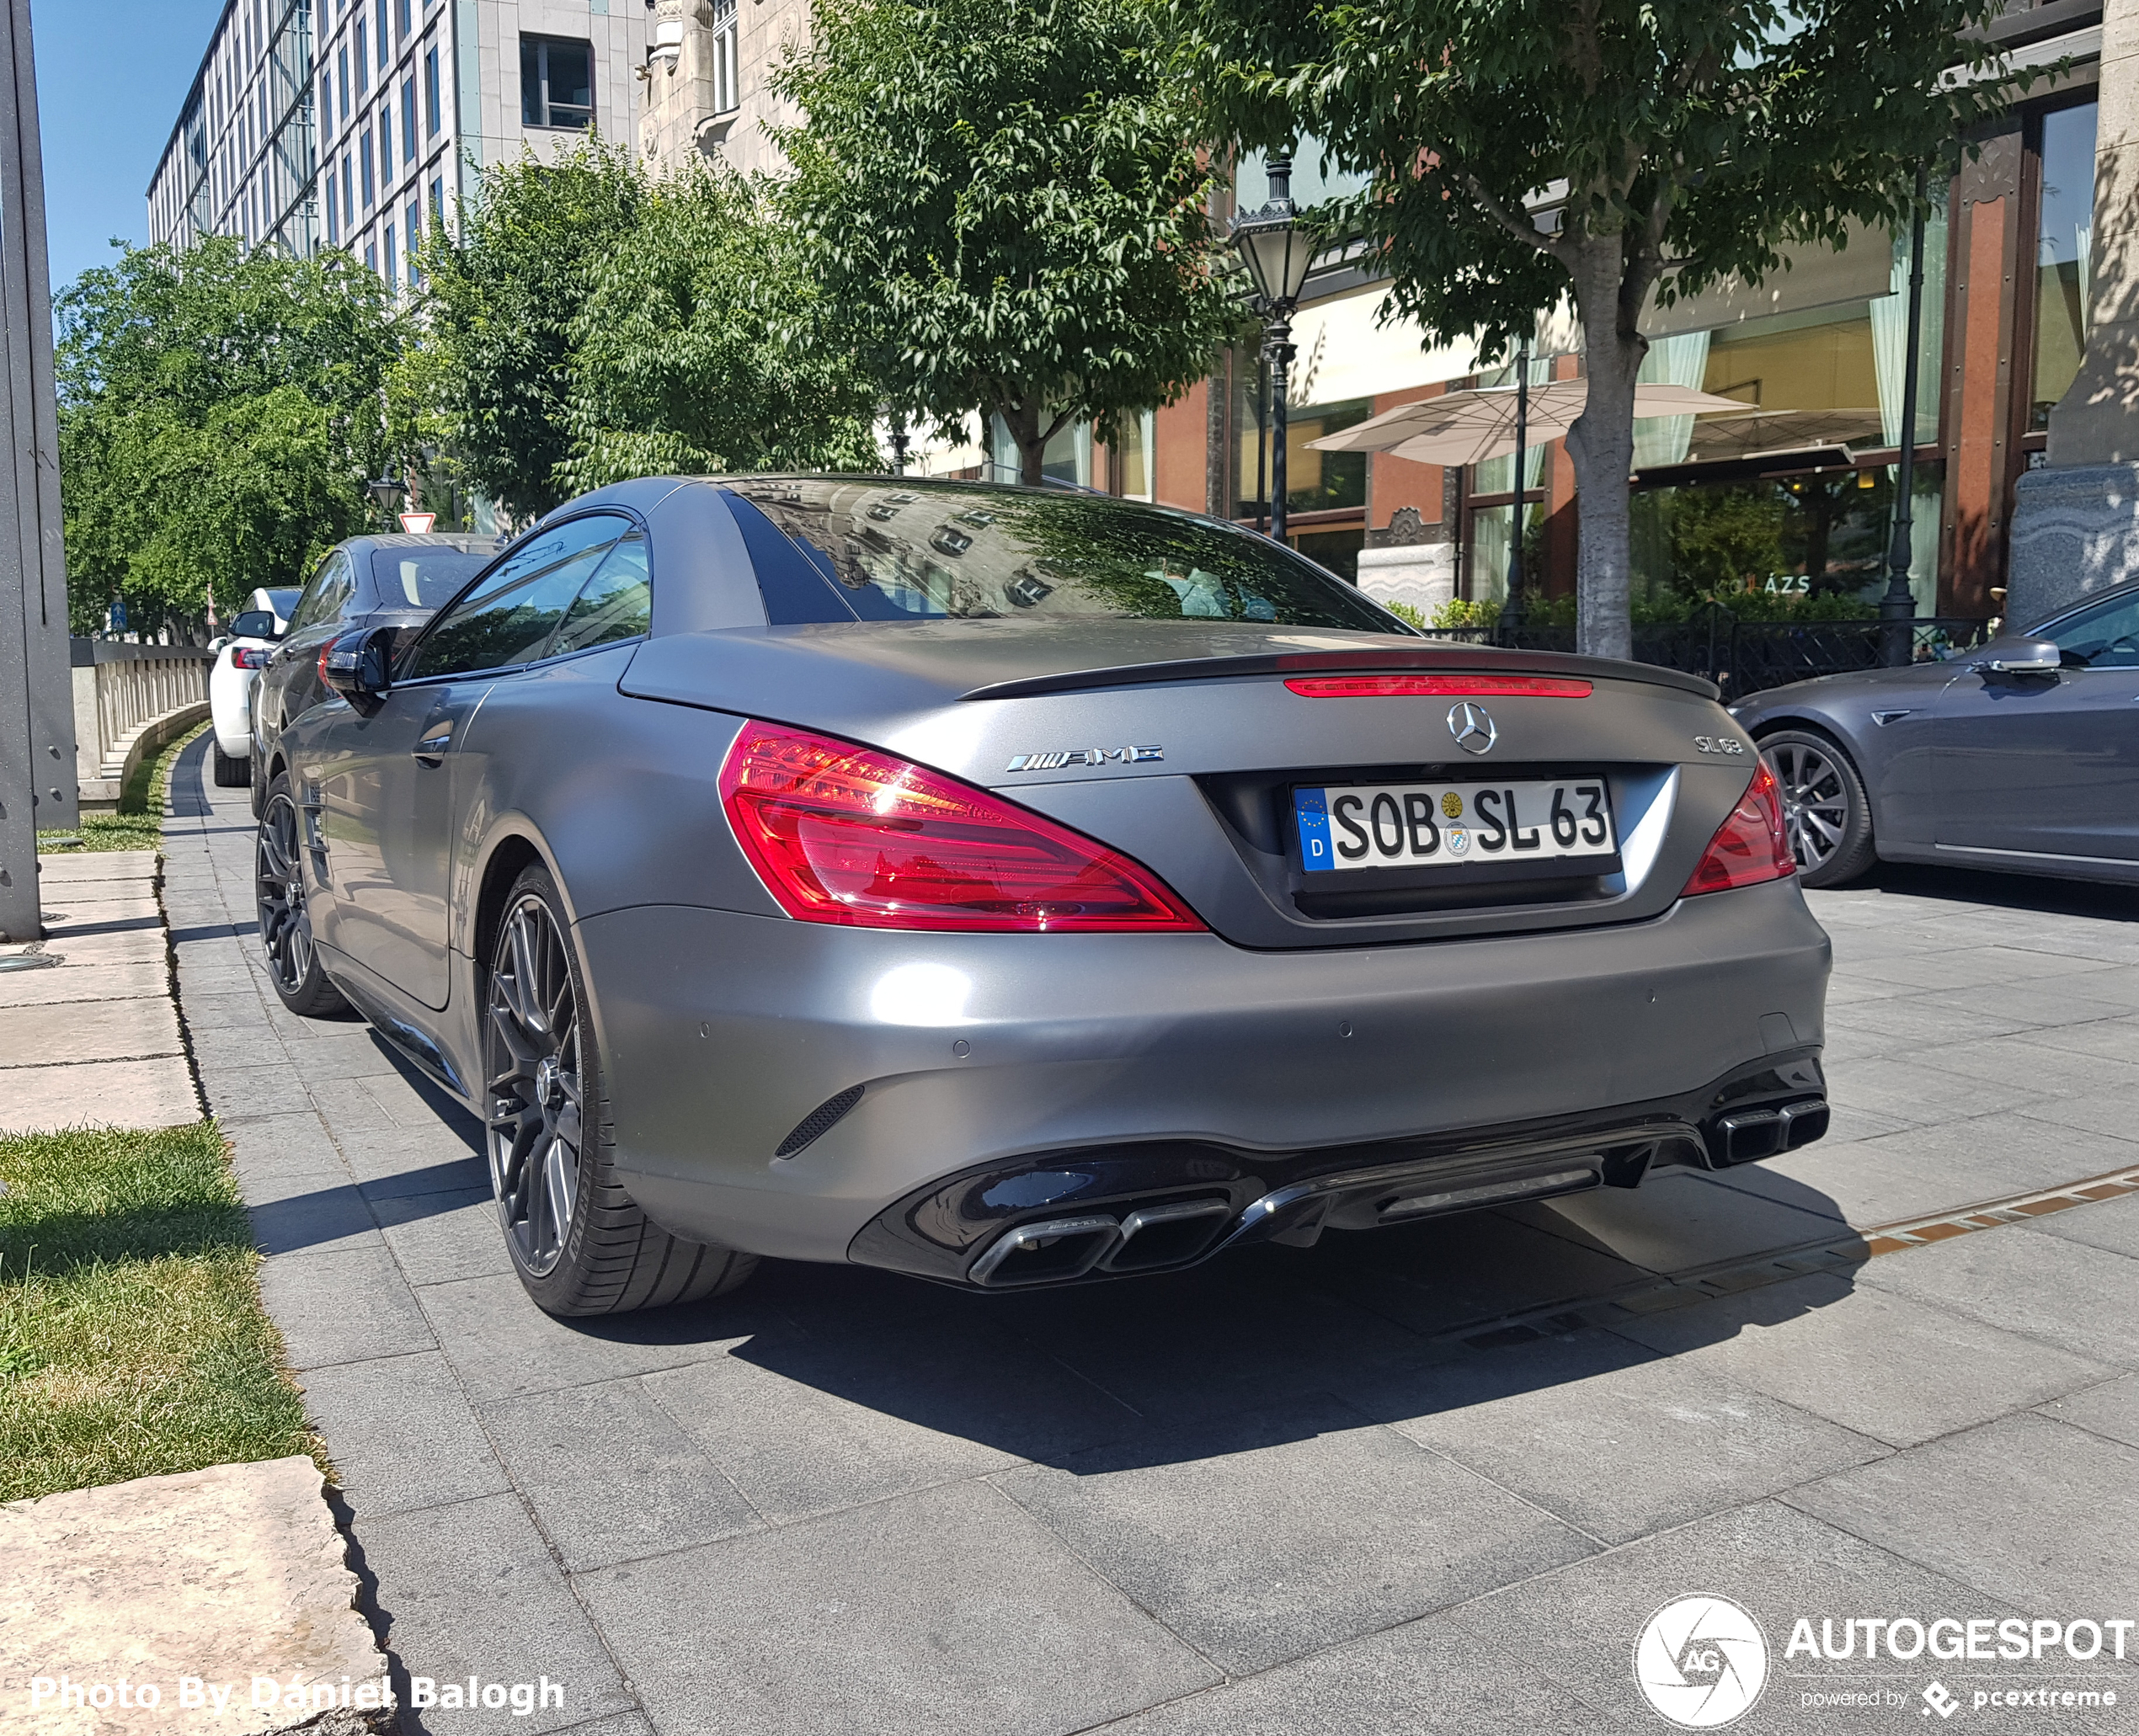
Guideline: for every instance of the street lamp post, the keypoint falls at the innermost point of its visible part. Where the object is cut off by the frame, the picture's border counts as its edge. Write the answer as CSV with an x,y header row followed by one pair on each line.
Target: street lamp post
x,y
1898,608
1512,603
1276,249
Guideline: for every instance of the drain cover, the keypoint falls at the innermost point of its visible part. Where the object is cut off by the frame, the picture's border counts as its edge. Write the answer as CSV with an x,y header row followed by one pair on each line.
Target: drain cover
x,y
31,962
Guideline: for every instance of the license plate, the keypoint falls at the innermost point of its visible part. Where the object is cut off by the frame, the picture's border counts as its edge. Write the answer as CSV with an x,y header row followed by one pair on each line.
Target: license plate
x,y
1353,826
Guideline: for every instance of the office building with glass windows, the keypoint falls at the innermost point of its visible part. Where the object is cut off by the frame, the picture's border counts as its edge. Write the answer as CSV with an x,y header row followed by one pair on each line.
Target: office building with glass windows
x,y
357,124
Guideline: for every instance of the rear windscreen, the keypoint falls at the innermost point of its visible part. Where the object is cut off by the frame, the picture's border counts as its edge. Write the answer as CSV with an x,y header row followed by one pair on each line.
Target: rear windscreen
x,y
884,551
421,579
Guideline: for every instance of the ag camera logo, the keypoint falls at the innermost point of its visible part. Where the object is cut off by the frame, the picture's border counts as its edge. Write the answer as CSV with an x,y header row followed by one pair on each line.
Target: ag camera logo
x,y
1701,1663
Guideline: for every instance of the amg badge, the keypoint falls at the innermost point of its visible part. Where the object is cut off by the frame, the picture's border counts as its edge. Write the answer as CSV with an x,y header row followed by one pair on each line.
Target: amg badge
x,y
1083,756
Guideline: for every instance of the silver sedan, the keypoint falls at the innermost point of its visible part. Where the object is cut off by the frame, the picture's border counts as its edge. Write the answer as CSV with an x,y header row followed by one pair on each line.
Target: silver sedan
x,y
1014,888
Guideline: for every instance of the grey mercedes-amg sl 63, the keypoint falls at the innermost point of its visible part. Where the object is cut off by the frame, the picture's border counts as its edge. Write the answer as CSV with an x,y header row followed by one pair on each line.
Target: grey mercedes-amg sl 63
x,y
2020,756
1015,887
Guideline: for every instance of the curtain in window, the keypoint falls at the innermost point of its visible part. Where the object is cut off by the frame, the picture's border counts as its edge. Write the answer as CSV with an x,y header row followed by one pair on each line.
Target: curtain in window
x,y
1890,326
1681,360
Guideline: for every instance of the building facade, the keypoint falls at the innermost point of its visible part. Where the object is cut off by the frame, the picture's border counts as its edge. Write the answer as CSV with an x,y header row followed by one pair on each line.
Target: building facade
x,y
357,124
708,88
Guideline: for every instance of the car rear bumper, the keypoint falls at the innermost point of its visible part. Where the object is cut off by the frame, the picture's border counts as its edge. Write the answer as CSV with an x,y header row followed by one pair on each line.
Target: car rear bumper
x,y
883,1064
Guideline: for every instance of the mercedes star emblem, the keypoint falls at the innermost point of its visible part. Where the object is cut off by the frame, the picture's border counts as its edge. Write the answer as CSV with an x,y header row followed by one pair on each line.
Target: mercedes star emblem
x,y
1472,726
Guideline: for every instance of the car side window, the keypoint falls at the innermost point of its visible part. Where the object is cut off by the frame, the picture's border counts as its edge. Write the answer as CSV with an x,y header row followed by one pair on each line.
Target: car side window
x,y
331,587
618,603
2104,637
511,614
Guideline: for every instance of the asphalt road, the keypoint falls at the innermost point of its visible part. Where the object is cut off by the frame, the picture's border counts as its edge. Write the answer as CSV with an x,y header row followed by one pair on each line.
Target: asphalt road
x,y
1435,1478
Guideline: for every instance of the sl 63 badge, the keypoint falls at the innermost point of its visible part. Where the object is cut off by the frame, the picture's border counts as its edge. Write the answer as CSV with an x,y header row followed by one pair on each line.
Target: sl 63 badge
x,y
1719,744
1083,756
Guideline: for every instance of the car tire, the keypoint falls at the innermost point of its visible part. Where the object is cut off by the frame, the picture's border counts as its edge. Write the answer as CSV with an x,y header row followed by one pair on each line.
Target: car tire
x,y
578,1241
230,773
1824,806
285,924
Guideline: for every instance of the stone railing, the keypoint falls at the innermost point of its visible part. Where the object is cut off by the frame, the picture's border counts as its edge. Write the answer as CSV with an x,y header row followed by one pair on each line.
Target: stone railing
x,y
129,700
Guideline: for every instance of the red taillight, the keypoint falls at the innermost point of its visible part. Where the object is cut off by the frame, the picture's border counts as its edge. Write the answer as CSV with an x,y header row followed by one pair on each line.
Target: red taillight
x,y
841,834
324,651
1462,687
1751,844
246,657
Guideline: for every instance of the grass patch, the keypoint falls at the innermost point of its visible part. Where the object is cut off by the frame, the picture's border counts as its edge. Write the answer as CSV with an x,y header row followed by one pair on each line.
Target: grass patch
x,y
132,1340
139,824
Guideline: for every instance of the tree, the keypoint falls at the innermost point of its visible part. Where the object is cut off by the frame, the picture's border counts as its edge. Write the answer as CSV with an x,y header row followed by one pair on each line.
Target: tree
x,y
219,411
692,352
1672,143
500,304
1002,205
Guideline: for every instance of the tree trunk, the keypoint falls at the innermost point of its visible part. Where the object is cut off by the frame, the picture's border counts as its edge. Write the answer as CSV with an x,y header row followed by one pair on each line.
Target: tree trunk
x,y
1601,445
1216,400
1027,427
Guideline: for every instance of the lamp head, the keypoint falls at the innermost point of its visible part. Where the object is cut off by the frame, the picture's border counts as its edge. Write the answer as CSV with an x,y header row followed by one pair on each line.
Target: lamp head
x,y
1273,244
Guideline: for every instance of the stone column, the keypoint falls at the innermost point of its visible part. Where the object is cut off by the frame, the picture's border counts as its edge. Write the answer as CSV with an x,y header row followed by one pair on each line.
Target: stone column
x,y
2075,521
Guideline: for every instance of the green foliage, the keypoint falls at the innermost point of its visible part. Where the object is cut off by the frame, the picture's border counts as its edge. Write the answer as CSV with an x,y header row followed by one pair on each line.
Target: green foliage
x,y
132,1341
1719,536
501,303
1695,139
1408,613
218,413
696,351
1459,612
1002,201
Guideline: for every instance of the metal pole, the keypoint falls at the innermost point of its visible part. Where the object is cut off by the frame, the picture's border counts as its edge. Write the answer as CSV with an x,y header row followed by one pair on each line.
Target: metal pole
x,y
1512,605
1262,437
898,443
1897,609
1281,354
37,770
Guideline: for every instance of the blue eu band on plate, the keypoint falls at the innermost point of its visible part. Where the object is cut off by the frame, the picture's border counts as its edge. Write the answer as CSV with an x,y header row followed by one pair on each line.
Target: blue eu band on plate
x,y
1419,825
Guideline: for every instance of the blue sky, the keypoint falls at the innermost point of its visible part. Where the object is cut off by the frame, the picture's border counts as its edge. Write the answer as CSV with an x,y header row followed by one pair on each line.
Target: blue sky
x,y
110,76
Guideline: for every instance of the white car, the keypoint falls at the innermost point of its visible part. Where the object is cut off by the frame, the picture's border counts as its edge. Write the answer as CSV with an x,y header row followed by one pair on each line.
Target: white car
x,y
264,620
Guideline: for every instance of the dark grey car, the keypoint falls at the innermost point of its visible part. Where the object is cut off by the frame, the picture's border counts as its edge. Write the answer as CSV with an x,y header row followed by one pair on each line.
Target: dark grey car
x,y
396,581
2022,755
1016,888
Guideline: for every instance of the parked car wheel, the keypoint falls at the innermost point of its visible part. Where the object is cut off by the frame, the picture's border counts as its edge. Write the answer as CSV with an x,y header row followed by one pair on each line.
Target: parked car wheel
x,y
1824,806
579,1243
230,773
286,925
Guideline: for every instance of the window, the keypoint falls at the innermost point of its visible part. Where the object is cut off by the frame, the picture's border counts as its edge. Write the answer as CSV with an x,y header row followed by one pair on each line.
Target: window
x,y
332,587
392,279
408,119
342,70
384,41
364,151
2105,636
510,617
371,255
363,61
413,227
557,83
618,603
2064,249
406,23
349,202
725,97
438,199
430,90
421,579
326,101
334,225
386,148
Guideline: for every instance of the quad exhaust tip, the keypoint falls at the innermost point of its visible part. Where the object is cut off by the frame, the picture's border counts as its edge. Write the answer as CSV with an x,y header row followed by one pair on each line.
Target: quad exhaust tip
x,y
1065,1247
1755,1133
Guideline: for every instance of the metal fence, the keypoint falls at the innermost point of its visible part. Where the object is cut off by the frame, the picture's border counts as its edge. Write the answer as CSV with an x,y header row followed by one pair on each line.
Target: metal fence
x,y
1743,656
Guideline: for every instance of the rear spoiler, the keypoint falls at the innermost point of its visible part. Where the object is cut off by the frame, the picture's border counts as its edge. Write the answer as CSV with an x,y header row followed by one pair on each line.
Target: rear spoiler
x,y
1445,657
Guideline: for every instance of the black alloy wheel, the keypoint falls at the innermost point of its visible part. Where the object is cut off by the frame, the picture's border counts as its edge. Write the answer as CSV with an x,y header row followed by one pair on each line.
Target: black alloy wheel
x,y
1824,806
285,922
579,1241
536,1099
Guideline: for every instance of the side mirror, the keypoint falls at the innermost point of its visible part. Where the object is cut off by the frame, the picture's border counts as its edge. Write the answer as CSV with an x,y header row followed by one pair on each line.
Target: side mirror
x,y
359,665
254,624
2021,657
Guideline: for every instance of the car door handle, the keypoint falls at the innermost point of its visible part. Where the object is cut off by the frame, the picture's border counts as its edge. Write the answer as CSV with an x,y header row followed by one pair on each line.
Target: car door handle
x,y
431,749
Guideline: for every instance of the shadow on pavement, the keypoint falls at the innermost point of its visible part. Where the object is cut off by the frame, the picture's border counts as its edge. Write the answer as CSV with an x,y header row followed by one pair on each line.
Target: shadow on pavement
x,y
2033,893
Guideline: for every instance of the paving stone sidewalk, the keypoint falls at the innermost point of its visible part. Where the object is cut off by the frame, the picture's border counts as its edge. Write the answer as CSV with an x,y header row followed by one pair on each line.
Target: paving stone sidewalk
x,y
89,1033
1286,1492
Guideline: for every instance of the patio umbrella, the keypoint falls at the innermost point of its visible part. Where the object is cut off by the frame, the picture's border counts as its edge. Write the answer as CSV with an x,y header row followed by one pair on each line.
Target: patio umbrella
x,y
1470,427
